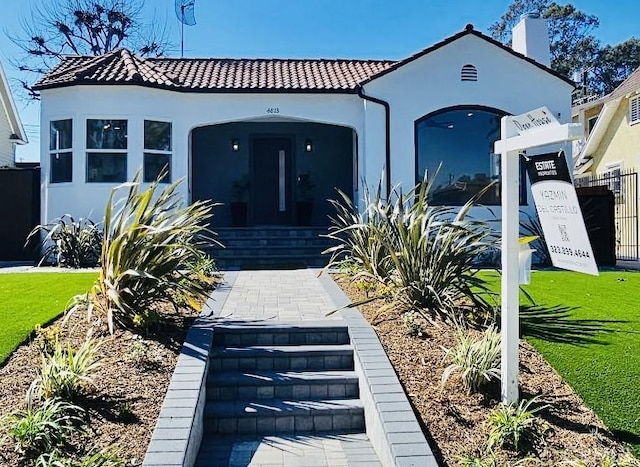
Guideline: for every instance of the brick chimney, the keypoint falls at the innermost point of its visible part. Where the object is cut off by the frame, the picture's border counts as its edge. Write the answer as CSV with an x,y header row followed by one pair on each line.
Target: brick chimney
x,y
530,37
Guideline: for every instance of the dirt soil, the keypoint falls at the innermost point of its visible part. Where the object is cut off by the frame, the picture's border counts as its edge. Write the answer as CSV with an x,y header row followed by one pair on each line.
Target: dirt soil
x,y
129,389
454,421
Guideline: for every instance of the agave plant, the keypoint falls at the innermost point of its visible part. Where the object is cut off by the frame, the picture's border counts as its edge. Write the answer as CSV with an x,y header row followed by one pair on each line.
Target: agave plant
x,y
68,243
149,241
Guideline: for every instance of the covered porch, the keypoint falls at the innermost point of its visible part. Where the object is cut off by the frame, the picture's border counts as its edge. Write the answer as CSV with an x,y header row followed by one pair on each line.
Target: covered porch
x,y
272,172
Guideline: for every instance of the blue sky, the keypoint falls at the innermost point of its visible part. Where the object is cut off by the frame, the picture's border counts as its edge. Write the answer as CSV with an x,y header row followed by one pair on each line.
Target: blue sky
x,y
391,29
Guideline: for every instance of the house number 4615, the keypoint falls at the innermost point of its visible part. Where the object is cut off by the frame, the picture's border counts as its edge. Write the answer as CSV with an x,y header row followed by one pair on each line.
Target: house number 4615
x,y
273,110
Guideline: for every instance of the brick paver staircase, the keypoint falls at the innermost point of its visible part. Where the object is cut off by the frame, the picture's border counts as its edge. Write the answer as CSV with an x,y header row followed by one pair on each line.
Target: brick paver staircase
x,y
279,378
271,247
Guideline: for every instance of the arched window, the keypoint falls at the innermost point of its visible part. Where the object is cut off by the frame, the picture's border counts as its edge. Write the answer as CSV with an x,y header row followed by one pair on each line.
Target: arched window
x,y
459,140
469,73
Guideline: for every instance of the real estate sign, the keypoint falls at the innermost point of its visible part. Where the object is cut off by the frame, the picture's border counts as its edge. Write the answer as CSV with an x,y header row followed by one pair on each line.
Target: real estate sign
x,y
559,212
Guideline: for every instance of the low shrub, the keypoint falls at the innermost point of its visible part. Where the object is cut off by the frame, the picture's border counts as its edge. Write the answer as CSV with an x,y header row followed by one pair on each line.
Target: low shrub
x,y
47,338
107,457
68,243
66,371
514,426
477,361
42,429
414,324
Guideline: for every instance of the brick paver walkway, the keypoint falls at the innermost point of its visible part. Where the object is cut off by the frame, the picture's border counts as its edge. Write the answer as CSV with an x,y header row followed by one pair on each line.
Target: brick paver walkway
x,y
287,296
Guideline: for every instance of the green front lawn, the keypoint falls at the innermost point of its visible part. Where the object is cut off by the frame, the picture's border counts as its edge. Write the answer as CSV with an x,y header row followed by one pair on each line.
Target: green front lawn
x,y
602,363
27,299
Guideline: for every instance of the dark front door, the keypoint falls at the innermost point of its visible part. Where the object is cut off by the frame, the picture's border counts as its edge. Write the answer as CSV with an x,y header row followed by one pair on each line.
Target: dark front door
x,y
270,176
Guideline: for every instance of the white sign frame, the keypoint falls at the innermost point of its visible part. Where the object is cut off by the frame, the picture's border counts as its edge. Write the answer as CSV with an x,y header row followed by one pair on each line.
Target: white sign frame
x,y
509,147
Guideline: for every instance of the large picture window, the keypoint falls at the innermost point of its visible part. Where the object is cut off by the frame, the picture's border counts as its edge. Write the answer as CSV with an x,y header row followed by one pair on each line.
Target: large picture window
x,y
106,150
456,147
157,150
60,153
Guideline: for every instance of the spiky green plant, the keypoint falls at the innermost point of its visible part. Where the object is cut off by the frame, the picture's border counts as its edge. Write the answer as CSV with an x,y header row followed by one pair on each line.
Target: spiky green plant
x,y
107,457
511,425
66,371
148,244
68,243
41,429
477,361
358,236
434,250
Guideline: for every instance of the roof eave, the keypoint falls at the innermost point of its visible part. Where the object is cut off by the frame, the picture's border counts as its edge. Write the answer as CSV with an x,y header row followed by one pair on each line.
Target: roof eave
x,y
14,118
203,90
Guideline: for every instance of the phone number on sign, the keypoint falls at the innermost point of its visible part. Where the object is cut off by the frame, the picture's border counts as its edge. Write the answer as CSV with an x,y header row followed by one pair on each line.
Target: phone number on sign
x,y
563,250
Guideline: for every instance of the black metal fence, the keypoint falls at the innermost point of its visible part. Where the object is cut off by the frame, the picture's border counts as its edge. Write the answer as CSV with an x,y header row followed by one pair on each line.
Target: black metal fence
x,y
624,186
19,211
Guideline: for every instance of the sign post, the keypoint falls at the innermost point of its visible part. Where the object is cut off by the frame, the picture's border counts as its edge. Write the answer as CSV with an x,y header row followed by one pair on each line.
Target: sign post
x,y
530,130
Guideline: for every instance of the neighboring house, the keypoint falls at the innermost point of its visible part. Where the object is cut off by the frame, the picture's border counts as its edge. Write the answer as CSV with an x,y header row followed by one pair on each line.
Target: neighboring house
x,y
610,156
612,131
275,132
11,129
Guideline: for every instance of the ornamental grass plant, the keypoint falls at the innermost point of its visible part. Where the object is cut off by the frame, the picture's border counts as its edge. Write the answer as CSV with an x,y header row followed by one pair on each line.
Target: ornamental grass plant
x,y
426,255
150,239
476,360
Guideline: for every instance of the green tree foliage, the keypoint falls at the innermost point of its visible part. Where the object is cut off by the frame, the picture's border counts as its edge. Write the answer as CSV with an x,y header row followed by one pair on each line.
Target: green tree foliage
x,y
574,47
614,64
83,27
572,44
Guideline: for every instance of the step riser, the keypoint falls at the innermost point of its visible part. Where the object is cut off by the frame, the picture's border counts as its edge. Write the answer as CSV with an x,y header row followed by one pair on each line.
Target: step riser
x,y
292,424
231,338
310,242
289,391
270,263
281,363
269,233
266,252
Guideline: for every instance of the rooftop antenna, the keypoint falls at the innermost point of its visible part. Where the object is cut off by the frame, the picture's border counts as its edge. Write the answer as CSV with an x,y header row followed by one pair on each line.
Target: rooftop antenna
x,y
186,15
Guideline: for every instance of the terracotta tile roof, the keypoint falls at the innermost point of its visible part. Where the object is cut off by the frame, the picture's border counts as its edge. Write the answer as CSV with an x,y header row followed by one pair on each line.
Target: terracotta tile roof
x,y
629,85
241,75
211,75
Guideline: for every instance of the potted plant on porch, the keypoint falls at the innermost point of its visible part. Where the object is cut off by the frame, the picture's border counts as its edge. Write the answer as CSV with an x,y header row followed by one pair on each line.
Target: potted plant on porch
x,y
239,201
304,199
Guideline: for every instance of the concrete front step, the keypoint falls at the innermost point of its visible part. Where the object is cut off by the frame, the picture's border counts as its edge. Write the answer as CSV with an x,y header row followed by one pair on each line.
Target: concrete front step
x,y
301,357
270,231
268,251
316,242
285,416
310,333
290,385
271,262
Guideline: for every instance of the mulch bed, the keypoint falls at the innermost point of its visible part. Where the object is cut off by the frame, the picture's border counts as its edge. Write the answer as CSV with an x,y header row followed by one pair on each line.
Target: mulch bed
x,y
130,385
454,421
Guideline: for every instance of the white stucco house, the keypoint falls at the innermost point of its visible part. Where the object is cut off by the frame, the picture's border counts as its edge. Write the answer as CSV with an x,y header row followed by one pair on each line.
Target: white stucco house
x,y
11,130
276,132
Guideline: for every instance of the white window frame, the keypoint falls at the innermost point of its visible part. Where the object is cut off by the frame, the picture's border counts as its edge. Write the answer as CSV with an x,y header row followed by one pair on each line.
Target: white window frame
x,y
152,152
634,110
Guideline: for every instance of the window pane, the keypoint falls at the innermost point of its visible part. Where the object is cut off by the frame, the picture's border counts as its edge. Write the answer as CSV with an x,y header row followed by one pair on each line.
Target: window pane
x,y
106,134
106,167
60,132
157,135
61,167
460,142
154,164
